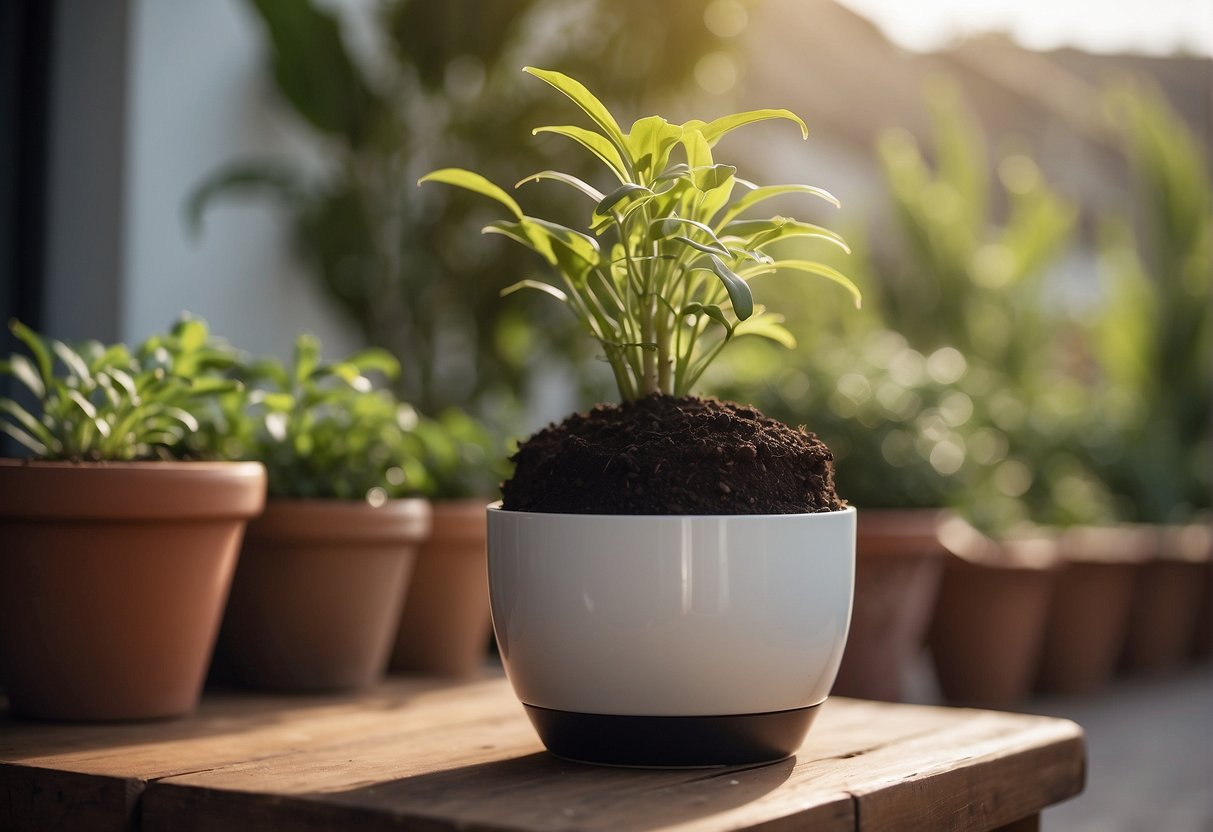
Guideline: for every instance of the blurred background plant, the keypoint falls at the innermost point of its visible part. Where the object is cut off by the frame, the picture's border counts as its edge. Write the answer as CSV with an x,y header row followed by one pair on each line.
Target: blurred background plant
x,y
322,429
1151,339
442,85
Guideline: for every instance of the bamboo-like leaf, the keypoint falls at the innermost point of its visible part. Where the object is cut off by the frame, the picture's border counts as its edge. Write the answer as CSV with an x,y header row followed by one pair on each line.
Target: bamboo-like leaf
x,y
627,191
516,231
23,370
714,130
475,183
572,181
758,195
72,360
537,285
606,152
767,326
705,248
583,98
28,441
811,267
27,420
739,293
762,232
37,348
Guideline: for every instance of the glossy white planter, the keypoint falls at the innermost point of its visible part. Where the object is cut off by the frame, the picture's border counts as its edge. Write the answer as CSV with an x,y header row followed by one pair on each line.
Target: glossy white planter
x,y
671,640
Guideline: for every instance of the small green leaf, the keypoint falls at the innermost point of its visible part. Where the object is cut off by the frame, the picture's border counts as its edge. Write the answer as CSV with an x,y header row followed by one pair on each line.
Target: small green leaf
x,y
769,327
627,191
572,181
758,195
37,348
475,183
650,141
72,360
23,370
706,249
377,361
538,285
712,310
307,357
712,177
28,441
606,152
739,292
583,98
714,130
811,267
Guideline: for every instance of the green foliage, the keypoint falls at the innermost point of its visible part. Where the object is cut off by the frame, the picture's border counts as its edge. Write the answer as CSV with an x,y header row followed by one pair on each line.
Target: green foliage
x,y
965,277
95,402
1153,340
323,430
460,457
660,280
440,84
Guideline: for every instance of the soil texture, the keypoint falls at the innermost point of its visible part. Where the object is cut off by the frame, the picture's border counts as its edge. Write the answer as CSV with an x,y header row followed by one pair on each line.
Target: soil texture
x,y
667,455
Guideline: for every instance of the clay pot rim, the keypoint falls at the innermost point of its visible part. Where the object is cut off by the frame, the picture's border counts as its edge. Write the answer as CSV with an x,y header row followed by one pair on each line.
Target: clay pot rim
x,y
403,520
495,508
131,491
459,522
901,533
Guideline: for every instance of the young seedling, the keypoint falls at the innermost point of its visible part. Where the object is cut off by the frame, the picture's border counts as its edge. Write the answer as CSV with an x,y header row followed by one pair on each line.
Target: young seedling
x,y
660,279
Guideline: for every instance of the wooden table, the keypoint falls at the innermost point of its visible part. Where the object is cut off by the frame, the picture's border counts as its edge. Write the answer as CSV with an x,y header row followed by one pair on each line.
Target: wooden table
x,y
430,756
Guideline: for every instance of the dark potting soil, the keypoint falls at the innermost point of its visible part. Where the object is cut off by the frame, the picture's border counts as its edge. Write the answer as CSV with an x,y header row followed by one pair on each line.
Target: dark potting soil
x,y
667,455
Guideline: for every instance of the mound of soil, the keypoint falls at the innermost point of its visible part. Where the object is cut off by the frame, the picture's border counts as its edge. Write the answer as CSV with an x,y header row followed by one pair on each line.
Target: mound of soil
x,y
667,455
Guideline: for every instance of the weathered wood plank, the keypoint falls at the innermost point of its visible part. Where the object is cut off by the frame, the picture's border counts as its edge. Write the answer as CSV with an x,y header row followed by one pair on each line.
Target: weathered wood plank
x,y
444,758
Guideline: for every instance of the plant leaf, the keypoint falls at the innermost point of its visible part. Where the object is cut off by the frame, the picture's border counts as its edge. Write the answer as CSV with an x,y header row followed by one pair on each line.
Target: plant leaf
x,y
27,420
23,370
475,183
650,141
739,293
26,440
583,98
712,310
714,130
37,348
538,285
811,267
375,360
307,357
626,191
572,181
706,249
606,152
757,195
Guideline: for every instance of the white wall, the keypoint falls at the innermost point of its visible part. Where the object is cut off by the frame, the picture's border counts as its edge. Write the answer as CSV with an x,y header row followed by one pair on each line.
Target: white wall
x,y
198,96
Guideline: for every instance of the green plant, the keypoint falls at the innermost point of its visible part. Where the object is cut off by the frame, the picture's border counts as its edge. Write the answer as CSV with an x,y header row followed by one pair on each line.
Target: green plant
x,y
96,402
322,430
461,458
1153,337
677,251
437,80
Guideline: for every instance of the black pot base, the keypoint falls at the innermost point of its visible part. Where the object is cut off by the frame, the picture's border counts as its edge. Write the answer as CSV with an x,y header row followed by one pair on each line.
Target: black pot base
x,y
672,741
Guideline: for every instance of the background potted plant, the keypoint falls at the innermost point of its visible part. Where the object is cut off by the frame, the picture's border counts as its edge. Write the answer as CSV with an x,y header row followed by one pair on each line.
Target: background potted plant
x,y
445,627
118,553
670,577
317,596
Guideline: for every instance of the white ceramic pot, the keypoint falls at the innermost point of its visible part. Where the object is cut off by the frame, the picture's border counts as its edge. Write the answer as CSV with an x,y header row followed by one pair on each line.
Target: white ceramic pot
x,y
671,640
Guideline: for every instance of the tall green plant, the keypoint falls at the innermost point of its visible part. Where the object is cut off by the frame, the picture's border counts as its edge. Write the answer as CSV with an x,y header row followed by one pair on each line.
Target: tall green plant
x,y
666,289
1153,338
964,276
442,86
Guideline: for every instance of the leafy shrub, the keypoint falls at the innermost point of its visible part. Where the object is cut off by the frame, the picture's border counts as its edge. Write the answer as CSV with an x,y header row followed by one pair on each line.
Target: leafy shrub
x,y
96,402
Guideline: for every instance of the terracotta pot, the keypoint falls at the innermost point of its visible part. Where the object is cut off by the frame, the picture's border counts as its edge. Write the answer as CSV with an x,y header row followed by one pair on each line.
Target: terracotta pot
x,y
446,622
898,565
990,616
1166,601
316,599
112,582
1088,613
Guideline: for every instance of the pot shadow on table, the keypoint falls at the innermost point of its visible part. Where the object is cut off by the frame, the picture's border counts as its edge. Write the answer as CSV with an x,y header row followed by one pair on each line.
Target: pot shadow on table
x,y
541,790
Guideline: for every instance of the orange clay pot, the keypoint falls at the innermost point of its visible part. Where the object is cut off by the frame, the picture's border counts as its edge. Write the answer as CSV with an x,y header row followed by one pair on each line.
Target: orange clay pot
x,y
989,620
316,599
1164,615
1088,613
898,564
112,582
446,624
